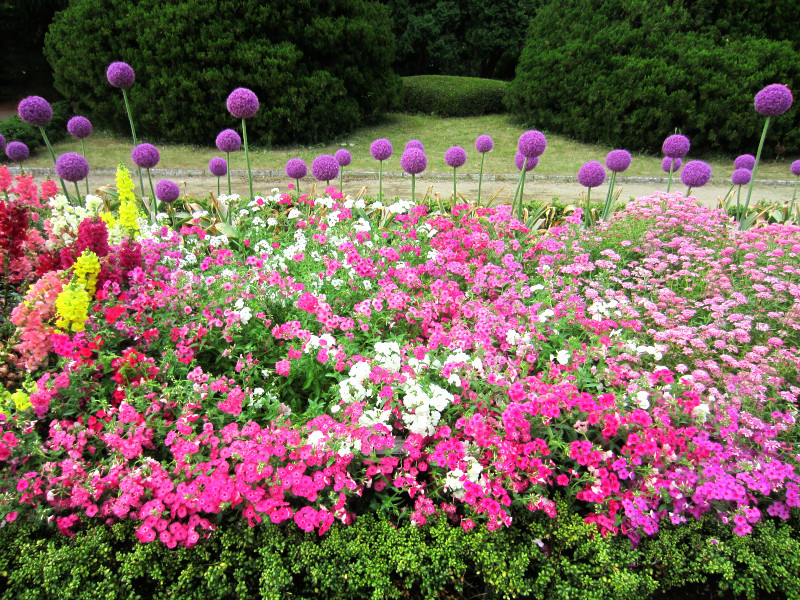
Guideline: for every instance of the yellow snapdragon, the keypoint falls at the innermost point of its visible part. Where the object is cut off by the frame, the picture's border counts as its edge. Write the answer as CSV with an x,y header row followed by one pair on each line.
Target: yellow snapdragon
x,y
127,200
72,307
86,269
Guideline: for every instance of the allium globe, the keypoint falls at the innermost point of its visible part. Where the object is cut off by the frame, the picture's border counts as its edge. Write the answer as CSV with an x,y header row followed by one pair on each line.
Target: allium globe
x,y
325,168
741,176
414,161
79,127
674,162
695,174
35,110
2,142
218,166
519,160
532,144
167,191
745,161
591,174
381,149
145,156
343,157
228,141
484,144
773,100
795,168
618,160
415,144
17,152
455,157
296,168
72,167
676,146
120,75
242,103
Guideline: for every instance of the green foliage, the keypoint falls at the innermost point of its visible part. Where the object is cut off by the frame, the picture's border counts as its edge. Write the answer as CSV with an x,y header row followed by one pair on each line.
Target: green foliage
x,y
448,96
15,129
319,69
631,73
537,557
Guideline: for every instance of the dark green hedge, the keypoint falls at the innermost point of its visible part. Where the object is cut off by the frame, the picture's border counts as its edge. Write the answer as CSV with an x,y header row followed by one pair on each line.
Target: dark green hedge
x,y
449,96
319,68
15,129
536,558
629,73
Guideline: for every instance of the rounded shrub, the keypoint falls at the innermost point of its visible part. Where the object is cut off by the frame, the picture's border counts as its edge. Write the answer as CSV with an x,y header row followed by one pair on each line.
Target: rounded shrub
x,y
320,69
449,96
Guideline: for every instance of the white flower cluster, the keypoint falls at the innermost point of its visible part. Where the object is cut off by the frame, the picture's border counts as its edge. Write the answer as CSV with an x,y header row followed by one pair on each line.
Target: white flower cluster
x,y
427,406
604,310
352,389
65,218
454,480
245,312
387,355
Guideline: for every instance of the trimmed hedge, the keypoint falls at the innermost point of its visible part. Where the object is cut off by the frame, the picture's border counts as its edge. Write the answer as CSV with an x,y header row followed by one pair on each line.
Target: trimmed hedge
x,y
449,96
535,558
15,129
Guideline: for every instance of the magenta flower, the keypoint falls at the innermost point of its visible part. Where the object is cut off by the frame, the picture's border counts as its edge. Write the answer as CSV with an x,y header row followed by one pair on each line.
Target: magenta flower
x,y
2,142
676,146
618,161
519,160
72,167
745,161
325,168
228,141
696,173
145,156
592,174
795,168
413,161
343,157
532,144
415,144
381,149
167,191
741,176
120,75
242,103
773,100
35,110
218,166
296,168
668,162
79,127
455,157
484,144
17,152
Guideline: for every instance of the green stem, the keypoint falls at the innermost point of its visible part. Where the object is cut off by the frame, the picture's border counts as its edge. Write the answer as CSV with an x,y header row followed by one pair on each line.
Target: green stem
x,y
380,180
669,180
53,156
738,197
150,179
77,191
607,204
21,169
247,158
412,188
588,221
341,180
521,189
794,197
755,170
228,159
688,192
83,152
218,190
480,178
133,134
297,182
455,197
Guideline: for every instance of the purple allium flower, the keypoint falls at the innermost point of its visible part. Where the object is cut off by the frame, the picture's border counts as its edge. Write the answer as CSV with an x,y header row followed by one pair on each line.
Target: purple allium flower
x,y
415,144
675,162
414,161
745,161
79,127
618,160
72,167
2,142
741,176
343,157
242,103
325,168
17,152
145,156
532,144
773,100
696,173
296,169
167,191
519,160
218,166
35,110
795,168
228,141
484,144
120,75
455,156
381,149
676,146
592,174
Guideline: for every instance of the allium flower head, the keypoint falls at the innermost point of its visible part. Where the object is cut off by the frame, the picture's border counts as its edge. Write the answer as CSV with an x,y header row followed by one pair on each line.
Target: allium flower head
x,y
120,75
741,176
72,167
795,168
618,160
296,168
79,127
17,152
242,103
745,161
696,173
519,160
325,168
455,156
381,149
414,161
773,100
676,146
532,144
484,144
2,142
343,157
675,162
145,156
218,166
167,191
415,144
35,110
228,141
591,174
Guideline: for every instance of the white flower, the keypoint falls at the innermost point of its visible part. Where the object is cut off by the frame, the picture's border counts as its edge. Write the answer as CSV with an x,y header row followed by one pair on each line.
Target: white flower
x,y
272,221
512,337
642,399
294,213
245,315
546,315
700,412
563,356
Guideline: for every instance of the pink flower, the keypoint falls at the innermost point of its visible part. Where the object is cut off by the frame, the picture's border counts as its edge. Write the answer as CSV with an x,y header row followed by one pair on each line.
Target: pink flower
x,y
282,367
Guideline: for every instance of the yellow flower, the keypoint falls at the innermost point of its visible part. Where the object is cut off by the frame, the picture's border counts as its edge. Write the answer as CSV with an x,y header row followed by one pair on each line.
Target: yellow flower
x,y
86,269
72,307
21,400
109,219
127,200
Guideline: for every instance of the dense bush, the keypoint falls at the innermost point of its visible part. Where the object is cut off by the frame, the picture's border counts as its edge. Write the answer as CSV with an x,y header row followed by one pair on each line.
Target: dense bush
x,y
453,96
15,129
630,73
319,69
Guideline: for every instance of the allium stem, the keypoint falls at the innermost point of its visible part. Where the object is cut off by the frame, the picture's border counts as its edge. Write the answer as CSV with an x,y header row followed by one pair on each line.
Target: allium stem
x,y
228,160
218,190
669,179
133,134
380,180
247,157
53,156
794,197
341,180
77,192
521,189
150,179
455,197
755,170
480,178
21,169
607,204
688,192
412,187
738,197
297,185
588,221
83,152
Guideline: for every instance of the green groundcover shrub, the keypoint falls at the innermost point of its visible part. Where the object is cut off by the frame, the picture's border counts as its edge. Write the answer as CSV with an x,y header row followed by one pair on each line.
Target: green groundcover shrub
x,y
535,558
449,96
631,73
319,69
15,129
